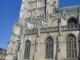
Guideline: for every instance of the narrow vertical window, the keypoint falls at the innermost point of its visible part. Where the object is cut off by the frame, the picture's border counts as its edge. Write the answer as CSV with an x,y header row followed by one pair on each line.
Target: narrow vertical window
x,y
71,46
27,50
49,48
45,7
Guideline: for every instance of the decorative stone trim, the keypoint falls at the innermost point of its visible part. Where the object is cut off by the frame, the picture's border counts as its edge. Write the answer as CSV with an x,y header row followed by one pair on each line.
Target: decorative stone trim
x,y
53,29
70,59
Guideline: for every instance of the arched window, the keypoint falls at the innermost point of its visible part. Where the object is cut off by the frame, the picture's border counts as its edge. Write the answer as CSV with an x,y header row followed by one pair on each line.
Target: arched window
x,y
27,50
49,48
71,46
72,21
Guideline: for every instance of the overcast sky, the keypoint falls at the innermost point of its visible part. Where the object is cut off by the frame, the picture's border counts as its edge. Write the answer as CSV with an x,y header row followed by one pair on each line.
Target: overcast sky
x,y
9,12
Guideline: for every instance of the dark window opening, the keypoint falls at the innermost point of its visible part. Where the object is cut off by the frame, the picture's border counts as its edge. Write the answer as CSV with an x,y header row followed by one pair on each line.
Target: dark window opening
x,y
72,21
49,48
71,46
27,50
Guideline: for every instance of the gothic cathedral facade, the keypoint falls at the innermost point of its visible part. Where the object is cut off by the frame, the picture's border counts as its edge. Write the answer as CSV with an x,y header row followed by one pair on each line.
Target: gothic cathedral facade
x,y
45,32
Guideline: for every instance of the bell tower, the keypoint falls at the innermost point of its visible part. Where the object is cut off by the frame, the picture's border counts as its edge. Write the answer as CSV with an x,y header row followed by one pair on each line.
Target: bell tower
x,y
36,7
51,5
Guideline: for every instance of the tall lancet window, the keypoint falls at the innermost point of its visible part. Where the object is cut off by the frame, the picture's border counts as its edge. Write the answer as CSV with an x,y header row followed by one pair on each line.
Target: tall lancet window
x,y
71,46
27,50
45,8
49,48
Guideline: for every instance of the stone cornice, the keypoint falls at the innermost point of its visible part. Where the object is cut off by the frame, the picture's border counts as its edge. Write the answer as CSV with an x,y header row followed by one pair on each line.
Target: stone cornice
x,y
53,29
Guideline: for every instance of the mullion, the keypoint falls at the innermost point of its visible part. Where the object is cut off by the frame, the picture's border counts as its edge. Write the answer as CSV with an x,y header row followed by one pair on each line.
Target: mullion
x,y
27,50
51,51
71,46
49,48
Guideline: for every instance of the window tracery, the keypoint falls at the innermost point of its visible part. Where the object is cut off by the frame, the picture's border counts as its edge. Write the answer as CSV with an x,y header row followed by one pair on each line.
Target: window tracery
x,y
49,48
71,46
27,50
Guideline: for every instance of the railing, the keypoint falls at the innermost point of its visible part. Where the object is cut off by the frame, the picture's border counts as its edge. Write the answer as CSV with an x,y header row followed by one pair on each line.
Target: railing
x,y
70,27
49,29
31,31
26,59
53,29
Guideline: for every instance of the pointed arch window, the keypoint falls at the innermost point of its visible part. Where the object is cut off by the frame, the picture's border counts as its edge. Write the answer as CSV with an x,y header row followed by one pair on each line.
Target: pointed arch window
x,y
72,21
27,50
49,48
71,46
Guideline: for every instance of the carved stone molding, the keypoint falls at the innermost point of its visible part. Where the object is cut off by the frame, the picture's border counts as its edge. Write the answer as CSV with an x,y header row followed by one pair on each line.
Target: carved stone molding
x,y
53,29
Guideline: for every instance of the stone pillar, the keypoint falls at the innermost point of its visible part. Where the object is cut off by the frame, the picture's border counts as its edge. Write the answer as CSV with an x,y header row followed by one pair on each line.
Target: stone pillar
x,y
59,35
58,46
79,49
36,53
19,54
17,49
38,28
79,44
79,35
59,27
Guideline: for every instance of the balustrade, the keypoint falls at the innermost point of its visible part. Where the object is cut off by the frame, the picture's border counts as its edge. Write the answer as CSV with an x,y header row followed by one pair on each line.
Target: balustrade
x,y
53,29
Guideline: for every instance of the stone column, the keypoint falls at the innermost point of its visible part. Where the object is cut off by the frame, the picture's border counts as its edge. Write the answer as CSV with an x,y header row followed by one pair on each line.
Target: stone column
x,y
59,34
17,49
79,49
59,27
19,55
58,44
36,53
79,44
79,34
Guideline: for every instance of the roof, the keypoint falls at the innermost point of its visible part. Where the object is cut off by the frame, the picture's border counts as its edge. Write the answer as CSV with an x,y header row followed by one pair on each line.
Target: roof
x,y
2,51
67,9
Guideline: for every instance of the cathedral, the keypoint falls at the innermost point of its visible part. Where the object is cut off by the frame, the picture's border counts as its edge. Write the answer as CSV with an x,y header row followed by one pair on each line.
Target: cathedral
x,y
45,32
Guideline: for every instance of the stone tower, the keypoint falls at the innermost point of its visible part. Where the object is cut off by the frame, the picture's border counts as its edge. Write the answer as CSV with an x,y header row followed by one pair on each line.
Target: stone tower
x,y
45,32
35,8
